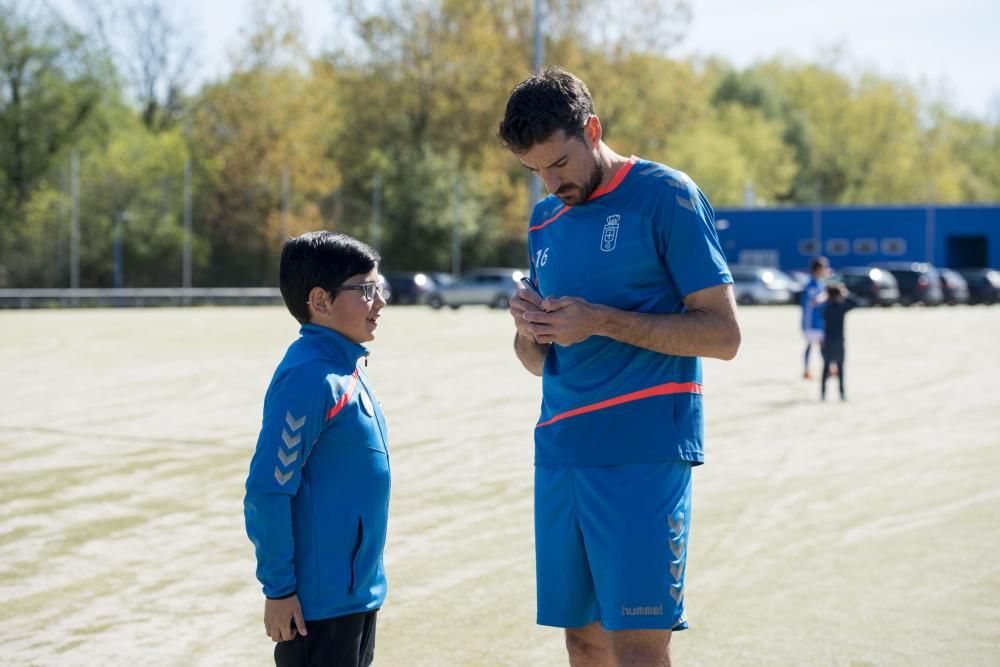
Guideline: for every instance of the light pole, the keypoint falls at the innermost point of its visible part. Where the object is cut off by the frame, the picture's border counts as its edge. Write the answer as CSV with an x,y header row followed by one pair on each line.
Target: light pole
x,y
118,232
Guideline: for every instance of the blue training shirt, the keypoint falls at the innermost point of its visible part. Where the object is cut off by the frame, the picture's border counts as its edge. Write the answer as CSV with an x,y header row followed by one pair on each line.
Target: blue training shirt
x,y
642,243
317,495
812,311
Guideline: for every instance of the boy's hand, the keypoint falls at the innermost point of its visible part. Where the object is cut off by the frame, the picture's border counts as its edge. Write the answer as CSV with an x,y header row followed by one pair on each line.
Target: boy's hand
x,y
278,617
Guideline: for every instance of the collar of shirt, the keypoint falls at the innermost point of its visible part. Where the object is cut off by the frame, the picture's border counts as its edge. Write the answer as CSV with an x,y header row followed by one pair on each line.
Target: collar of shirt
x,y
333,343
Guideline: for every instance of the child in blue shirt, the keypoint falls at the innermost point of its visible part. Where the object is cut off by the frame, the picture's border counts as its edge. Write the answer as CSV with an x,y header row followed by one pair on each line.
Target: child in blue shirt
x,y
317,495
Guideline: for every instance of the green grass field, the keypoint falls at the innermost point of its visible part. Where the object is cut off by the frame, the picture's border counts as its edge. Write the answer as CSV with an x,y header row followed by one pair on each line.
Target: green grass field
x,y
863,533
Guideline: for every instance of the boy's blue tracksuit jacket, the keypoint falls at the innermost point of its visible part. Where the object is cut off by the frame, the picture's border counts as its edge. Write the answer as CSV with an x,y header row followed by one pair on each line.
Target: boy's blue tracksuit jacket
x,y
317,496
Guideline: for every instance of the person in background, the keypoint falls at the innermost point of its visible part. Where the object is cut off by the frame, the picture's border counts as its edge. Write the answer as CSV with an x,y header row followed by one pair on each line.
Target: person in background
x,y
812,300
838,302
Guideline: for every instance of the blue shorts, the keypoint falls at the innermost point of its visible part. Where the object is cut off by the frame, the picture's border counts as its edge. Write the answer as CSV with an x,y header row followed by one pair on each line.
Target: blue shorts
x,y
611,545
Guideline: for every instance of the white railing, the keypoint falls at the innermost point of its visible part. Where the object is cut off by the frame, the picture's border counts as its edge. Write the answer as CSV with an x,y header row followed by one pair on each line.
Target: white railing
x,y
137,297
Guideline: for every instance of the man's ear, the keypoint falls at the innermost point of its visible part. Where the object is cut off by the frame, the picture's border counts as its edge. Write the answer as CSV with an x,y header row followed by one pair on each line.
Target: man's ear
x,y
593,131
319,301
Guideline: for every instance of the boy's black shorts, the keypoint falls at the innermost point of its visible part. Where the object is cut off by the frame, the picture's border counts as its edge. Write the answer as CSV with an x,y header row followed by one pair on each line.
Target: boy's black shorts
x,y
344,641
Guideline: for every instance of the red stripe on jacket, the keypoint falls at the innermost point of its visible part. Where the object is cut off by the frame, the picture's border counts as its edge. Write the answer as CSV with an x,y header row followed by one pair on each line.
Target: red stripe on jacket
x,y
342,401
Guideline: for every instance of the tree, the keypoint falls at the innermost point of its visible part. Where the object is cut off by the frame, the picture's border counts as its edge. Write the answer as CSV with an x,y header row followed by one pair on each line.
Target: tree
x,y
50,85
152,49
267,117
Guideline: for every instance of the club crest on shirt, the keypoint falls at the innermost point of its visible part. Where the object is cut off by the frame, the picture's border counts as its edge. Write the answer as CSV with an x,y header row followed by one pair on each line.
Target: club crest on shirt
x,y
609,237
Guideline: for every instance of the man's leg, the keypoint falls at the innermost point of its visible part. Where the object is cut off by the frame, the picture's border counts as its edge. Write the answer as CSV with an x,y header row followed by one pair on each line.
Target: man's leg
x,y
590,646
641,648
636,524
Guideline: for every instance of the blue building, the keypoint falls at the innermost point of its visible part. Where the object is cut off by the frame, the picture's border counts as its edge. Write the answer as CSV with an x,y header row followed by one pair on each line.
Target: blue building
x,y
947,236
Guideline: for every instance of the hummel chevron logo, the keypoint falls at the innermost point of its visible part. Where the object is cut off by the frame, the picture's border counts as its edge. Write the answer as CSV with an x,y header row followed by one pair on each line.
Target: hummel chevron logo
x,y
677,548
287,460
291,442
282,479
676,527
677,571
294,424
676,592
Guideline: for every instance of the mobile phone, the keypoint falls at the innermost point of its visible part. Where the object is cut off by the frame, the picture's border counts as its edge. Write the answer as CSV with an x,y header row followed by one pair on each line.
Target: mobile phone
x,y
528,285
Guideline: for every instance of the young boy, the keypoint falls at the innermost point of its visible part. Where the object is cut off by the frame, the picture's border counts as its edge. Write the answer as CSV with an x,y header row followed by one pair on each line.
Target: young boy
x,y
837,304
812,300
317,496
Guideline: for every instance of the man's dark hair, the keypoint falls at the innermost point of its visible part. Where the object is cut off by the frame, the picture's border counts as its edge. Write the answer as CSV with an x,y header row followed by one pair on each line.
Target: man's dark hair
x,y
538,107
320,259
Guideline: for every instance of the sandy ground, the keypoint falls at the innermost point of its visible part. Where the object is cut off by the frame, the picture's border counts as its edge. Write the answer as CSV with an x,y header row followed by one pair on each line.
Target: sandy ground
x,y
863,533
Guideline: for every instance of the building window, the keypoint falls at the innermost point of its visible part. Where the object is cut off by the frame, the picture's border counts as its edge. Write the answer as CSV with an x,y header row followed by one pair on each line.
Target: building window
x,y
759,257
837,246
894,246
809,247
865,246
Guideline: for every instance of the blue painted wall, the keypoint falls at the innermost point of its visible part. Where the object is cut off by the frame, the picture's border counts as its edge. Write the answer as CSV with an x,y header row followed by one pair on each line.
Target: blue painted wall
x,y
858,236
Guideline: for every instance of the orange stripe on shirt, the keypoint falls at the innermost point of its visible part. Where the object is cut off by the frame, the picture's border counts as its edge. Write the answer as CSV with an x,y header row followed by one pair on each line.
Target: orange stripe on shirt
x,y
659,390
552,219
614,183
342,401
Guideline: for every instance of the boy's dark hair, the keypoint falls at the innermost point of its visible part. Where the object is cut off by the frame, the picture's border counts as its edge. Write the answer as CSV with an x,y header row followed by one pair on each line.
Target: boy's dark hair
x,y
836,292
320,259
818,263
538,107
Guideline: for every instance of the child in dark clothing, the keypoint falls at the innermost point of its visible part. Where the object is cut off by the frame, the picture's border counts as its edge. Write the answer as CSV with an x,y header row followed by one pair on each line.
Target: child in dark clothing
x,y
837,304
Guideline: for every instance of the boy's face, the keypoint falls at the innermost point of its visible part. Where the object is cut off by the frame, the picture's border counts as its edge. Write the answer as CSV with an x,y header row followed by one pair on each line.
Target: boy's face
x,y
350,314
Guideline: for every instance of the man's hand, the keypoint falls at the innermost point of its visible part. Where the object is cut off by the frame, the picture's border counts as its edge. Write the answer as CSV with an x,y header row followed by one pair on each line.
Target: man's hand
x,y
278,617
521,302
565,320
528,349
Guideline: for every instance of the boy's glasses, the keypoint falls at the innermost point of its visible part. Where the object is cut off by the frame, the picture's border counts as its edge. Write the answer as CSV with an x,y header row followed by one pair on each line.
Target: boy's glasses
x,y
368,290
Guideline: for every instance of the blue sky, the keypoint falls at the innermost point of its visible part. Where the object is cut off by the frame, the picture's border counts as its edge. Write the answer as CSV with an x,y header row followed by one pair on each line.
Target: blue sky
x,y
951,47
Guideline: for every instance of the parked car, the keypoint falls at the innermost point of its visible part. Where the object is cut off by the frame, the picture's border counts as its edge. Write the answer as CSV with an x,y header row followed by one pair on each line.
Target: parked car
x,y
409,287
762,284
984,284
489,287
441,278
869,286
954,287
919,282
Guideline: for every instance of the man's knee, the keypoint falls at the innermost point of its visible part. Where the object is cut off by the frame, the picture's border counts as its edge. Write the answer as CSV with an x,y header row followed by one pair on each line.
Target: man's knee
x,y
642,647
589,645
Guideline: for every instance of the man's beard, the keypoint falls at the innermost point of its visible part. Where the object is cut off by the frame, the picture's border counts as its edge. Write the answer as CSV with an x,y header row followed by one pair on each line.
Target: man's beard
x,y
596,176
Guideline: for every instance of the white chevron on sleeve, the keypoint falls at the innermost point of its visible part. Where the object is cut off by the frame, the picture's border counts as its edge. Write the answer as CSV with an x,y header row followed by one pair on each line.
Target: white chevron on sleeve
x,y
291,441
287,460
293,423
282,479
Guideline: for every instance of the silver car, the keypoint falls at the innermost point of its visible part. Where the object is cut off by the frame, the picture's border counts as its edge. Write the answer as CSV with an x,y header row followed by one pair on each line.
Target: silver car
x,y
761,284
488,287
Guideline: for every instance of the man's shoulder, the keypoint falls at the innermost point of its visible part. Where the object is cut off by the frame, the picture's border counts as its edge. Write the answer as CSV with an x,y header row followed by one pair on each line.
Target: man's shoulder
x,y
658,177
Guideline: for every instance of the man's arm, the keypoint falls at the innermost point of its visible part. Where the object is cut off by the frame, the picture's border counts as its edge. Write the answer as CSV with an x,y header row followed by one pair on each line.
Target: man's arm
x,y
529,351
708,329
